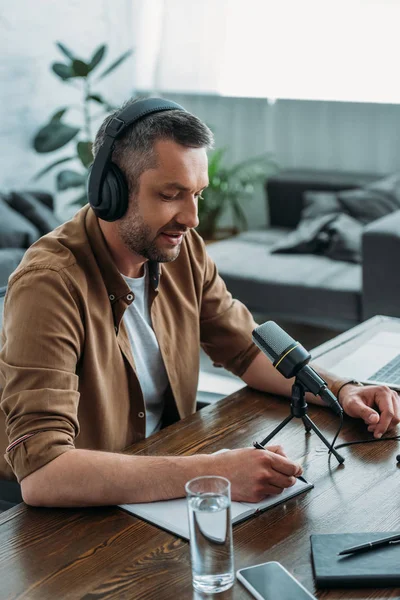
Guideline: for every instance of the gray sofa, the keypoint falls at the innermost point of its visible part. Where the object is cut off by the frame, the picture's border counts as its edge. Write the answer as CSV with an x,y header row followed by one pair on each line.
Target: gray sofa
x,y
308,288
24,218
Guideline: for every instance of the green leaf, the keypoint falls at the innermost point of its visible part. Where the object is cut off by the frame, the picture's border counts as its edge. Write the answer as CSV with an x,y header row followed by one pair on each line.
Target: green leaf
x,y
96,98
58,115
69,179
80,68
65,51
84,150
51,166
97,57
63,71
54,136
81,200
116,63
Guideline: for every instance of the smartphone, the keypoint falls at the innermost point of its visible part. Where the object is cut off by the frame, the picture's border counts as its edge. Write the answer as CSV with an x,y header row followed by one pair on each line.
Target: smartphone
x,y
270,581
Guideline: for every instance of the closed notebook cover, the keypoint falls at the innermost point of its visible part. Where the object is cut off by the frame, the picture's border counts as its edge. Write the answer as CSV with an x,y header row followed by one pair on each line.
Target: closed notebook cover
x,y
379,567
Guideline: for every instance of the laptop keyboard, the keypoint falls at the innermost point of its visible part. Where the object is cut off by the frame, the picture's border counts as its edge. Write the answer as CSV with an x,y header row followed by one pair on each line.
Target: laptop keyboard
x,y
389,373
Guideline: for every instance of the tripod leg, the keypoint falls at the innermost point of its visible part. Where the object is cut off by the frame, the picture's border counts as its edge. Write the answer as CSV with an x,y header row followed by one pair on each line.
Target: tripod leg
x,y
312,425
306,425
276,430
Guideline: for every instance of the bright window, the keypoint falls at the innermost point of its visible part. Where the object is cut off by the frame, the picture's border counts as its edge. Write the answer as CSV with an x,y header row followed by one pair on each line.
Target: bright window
x,y
345,50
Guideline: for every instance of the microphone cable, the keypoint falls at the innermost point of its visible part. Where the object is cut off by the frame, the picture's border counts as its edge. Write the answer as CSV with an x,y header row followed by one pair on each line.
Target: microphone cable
x,y
382,439
332,446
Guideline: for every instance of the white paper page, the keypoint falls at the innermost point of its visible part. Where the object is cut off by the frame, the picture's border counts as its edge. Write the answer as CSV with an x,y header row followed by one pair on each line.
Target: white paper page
x,y
172,514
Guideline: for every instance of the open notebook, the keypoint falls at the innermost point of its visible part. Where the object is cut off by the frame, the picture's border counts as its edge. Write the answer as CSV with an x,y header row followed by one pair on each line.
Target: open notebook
x,y
172,514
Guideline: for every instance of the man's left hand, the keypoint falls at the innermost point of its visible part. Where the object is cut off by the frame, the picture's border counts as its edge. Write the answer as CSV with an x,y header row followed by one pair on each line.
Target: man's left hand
x,y
377,405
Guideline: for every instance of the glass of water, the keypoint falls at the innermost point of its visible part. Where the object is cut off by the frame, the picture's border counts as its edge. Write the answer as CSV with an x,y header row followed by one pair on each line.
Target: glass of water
x,y
210,526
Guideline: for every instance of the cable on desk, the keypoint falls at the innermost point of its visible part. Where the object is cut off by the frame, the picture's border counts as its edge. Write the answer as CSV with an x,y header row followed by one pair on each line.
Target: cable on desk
x,y
382,439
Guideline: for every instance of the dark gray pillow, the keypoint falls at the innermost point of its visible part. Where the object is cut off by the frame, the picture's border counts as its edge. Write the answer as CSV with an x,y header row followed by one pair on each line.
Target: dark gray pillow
x,y
372,201
15,230
34,210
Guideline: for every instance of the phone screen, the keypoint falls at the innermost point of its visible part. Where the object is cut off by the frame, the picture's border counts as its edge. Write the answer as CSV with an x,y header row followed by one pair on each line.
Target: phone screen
x,y
270,581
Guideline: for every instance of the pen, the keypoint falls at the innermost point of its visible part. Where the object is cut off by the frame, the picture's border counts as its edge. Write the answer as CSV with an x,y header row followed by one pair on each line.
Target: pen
x,y
393,539
259,447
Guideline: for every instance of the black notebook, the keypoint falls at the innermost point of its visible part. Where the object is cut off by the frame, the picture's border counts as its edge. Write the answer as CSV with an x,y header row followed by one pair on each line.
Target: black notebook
x,y
376,568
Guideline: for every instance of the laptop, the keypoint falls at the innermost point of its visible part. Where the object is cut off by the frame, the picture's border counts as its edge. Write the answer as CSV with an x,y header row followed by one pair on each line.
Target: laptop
x,y
377,361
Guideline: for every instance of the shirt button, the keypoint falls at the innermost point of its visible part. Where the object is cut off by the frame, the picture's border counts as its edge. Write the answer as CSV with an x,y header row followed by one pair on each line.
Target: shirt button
x,y
116,329
111,297
141,415
129,297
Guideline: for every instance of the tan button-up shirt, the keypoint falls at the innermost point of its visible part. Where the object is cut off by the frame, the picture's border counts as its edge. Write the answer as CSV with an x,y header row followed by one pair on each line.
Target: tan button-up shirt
x,y
67,374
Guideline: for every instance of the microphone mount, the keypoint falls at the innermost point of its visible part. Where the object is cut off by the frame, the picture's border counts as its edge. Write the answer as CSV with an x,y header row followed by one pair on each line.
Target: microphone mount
x,y
298,409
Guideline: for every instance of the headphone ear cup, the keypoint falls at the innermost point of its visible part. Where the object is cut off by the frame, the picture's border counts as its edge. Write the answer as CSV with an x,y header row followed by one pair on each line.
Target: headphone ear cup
x,y
114,195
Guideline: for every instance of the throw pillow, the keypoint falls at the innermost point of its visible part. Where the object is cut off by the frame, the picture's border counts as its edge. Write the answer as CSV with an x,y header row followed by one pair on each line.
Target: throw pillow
x,y
372,201
337,236
15,230
306,238
34,210
316,204
344,239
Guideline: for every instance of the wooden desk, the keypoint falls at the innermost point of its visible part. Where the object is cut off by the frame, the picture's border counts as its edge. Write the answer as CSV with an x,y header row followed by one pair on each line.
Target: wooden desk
x,y
107,553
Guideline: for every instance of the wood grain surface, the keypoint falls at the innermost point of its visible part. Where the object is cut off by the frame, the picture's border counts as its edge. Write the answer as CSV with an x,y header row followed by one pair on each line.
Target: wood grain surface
x,y
107,553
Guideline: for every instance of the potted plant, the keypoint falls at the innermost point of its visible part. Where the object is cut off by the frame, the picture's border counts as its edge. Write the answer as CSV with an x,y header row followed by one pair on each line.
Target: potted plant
x,y
228,188
57,133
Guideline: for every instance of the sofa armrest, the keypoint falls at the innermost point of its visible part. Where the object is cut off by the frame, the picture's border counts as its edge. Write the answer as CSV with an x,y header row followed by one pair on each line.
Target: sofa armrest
x,y
380,267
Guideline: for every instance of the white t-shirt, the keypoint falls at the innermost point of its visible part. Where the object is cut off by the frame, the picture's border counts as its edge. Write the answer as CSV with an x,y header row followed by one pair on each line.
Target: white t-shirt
x,y
149,364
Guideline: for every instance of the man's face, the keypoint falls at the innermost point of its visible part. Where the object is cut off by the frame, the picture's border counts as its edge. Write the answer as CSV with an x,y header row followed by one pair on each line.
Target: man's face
x,y
165,207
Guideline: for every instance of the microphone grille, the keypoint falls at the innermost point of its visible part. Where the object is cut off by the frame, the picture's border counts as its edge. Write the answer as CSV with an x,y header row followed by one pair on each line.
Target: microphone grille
x,y
274,336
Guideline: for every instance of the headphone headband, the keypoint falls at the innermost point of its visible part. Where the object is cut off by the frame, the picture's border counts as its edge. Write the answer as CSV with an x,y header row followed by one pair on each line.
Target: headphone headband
x,y
115,128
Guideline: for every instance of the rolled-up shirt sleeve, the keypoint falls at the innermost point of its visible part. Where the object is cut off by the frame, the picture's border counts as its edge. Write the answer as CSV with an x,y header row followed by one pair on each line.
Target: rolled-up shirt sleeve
x,y
41,343
225,324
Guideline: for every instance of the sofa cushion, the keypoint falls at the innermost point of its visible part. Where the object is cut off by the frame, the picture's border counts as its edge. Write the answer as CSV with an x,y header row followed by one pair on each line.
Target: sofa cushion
x,y
15,230
34,210
309,289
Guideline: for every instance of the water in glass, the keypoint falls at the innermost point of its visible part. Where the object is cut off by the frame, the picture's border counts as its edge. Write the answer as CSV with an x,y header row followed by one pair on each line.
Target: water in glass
x,y
211,542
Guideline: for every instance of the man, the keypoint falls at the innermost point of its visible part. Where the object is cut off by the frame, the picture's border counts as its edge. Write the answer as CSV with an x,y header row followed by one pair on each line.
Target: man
x,y
103,321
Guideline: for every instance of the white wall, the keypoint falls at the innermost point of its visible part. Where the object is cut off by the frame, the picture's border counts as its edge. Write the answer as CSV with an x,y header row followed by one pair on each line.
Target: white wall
x,y
30,92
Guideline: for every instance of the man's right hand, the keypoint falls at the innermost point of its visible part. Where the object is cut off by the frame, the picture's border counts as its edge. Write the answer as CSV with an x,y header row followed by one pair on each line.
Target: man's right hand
x,y
255,474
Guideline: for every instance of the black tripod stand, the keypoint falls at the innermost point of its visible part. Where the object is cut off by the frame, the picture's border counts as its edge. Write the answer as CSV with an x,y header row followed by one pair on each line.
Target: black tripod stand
x,y
298,408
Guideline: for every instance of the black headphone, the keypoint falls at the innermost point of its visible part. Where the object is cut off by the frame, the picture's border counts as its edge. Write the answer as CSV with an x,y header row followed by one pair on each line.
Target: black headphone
x,y
107,185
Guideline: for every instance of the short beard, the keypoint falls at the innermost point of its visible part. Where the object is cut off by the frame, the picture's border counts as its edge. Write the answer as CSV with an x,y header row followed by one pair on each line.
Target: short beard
x,y
137,237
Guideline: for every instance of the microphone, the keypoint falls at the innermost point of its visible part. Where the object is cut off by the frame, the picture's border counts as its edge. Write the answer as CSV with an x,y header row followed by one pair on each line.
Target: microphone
x,y
291,359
